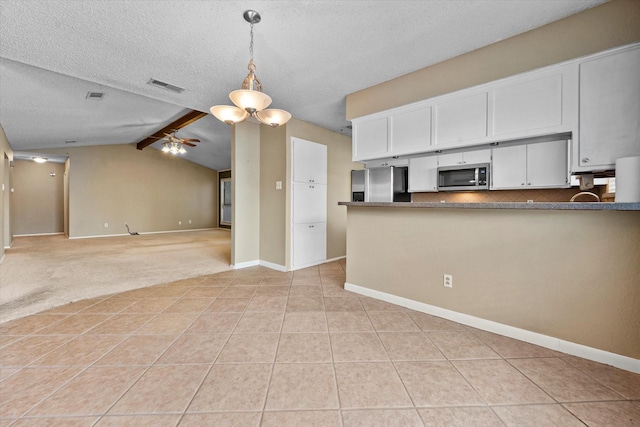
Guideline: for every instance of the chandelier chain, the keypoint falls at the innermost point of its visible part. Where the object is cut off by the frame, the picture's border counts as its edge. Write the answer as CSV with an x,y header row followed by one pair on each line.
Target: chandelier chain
x,y
251,43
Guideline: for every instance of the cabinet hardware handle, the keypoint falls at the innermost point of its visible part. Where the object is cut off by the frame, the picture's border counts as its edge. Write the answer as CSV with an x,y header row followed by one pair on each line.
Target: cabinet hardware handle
x,y
522,183
585,160
311,226
528,183
311,186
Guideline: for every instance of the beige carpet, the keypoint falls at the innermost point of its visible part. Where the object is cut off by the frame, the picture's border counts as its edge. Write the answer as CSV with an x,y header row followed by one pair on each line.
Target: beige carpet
x,y
42,272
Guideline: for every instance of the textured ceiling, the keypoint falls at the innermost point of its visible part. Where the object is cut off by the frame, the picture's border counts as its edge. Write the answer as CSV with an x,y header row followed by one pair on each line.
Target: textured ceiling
x,y
309,56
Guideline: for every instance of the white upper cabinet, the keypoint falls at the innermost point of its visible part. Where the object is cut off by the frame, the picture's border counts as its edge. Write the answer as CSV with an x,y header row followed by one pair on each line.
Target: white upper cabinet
x,y
410,131
405,130
461,120
537,103
370,138
309,161
423,174
536,165
595,99
465,158
609,109
509,167
548,164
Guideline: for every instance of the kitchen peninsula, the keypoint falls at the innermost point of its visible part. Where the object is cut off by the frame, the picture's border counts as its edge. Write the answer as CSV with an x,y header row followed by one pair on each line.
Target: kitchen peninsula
x,y
562,275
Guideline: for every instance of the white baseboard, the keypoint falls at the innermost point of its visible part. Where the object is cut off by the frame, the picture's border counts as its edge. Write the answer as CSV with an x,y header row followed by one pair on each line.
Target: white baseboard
x,y
336,259
273,266
98,236
145,232
257,262
245,264
38,234
568,347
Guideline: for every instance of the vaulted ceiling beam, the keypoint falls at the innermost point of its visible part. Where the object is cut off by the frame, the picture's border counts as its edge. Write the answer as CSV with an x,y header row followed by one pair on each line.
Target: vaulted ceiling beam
x,y
183,121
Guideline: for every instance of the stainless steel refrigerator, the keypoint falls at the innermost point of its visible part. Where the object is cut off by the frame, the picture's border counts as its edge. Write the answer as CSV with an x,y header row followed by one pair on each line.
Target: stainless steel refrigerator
x,y
384,184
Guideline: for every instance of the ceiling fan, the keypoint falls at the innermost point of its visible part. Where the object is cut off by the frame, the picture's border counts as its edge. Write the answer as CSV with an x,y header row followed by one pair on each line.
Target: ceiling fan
x,y
175,145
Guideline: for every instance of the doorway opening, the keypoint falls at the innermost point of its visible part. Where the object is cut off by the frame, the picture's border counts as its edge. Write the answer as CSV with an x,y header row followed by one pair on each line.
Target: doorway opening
x,y
224,216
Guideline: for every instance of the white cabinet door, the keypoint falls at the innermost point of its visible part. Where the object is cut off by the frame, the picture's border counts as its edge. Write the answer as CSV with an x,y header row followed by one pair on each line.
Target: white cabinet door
x,y
309,203
476,156
609,109
423,174
410,131
548,164
537,165
527,105
309,161
465,158
509,167
461,120
449,159
370,139
309,244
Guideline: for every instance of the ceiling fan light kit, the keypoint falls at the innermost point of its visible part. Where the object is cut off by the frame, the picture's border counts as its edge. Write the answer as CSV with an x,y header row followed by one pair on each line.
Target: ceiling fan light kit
x,y
250,100
175,145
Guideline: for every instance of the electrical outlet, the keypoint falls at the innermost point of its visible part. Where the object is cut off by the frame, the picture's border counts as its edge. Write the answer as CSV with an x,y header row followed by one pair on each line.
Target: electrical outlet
x,y
179,222
448,281
189,221
106,225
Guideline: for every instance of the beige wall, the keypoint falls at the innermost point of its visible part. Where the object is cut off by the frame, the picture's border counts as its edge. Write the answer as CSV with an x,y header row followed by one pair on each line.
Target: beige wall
x,y
339,166
245,190
38,200
612,24
572,275
262,212
6,156
273,203
147,189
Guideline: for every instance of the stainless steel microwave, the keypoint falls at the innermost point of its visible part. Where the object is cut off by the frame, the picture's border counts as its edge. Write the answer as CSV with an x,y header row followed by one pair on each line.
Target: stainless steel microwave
x,y
464,177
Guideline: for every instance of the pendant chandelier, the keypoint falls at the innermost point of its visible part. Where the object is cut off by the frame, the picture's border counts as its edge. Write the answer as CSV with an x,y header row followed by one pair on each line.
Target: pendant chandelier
x,y
250,100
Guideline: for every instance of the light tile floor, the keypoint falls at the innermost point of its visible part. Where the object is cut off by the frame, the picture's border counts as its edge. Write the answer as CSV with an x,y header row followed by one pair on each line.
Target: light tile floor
x,y
259,347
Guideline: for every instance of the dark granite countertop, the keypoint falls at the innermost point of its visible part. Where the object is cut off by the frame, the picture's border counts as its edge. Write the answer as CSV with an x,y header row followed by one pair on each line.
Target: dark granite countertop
x,y
590,206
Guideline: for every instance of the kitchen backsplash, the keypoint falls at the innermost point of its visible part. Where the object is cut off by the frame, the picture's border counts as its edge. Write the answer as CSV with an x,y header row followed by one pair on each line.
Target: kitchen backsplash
x,y
550,195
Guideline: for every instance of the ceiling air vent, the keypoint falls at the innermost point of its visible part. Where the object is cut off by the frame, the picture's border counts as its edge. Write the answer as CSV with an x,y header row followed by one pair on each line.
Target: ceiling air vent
x,y
95,95
164,85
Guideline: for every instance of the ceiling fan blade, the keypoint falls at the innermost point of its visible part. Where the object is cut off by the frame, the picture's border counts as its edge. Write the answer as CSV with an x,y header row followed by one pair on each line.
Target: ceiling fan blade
x,y
188,143
190,139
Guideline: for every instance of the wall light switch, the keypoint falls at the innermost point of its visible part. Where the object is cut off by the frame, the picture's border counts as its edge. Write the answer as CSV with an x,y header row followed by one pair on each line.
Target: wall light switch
x,y
278,185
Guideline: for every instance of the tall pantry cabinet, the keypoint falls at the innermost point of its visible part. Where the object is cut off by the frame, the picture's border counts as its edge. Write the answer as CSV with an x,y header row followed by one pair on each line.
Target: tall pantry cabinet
x,y
309,203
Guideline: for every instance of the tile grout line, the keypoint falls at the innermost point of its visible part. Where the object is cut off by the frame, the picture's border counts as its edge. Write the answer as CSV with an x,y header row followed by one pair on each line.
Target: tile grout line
x,y
153,363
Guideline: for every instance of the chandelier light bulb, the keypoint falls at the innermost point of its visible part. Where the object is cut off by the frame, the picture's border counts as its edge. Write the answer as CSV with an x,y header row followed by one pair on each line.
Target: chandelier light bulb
x,y
228,114
250,100
273,117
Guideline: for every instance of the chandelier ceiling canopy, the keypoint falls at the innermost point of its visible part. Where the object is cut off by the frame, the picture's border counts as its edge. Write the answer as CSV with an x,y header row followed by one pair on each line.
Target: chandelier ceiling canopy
x,y
250,101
